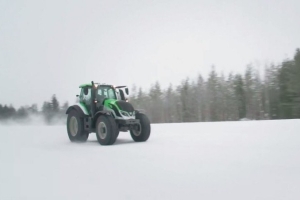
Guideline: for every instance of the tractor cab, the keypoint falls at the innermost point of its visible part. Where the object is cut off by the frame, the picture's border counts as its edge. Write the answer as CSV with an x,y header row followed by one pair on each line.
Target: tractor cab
x,y
105,92
96,94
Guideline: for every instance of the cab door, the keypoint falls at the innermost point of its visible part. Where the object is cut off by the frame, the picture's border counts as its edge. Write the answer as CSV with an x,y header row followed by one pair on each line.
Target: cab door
x,y
85,97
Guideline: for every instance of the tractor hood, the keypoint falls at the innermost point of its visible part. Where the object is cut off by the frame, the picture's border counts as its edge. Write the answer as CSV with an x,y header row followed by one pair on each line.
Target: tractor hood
x,y
121,108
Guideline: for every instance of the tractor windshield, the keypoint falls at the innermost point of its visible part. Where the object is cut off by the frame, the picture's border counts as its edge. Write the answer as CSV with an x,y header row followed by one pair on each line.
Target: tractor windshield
x,y
107,91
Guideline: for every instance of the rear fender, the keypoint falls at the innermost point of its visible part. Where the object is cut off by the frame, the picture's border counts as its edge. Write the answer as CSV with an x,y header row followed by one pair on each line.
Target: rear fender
x,y
77,108
87,120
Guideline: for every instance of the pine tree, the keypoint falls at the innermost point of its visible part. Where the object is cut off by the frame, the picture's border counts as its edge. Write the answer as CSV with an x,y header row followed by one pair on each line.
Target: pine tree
x,y
141,99
222,91
186,97
1,112
168,105
65,107
200,98
47,112
285,96
258,97
294,85
55,104
240,96
249,92
272,92
155,95
212,85
33,109
22,113
232,105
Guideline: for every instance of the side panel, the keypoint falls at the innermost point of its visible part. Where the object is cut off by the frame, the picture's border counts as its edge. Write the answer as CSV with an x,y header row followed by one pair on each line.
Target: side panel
x,y
110,105
83,108
109,101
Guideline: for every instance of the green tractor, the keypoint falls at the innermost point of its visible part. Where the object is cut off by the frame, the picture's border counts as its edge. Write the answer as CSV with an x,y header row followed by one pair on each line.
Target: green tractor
x,y
104,109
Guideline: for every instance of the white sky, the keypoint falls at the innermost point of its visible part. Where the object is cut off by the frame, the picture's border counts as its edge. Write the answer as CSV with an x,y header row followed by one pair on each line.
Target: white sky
x,y
51,47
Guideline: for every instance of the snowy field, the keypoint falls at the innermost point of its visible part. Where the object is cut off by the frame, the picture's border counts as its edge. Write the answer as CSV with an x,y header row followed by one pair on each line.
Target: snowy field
x,y
221,160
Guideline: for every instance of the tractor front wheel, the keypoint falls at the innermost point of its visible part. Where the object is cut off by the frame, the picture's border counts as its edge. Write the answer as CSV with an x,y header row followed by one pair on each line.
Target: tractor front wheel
x,y
106,130
141,131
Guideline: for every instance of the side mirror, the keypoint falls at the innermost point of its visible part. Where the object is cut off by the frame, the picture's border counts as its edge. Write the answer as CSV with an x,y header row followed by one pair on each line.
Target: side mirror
x,y
127,91
77,95
122,95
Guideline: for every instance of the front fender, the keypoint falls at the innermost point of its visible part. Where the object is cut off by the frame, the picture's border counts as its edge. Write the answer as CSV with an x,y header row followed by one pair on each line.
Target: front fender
x,y
99,113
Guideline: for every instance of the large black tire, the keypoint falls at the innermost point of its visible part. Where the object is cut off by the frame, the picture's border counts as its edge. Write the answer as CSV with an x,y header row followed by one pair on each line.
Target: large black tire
x,y
75,127
106,130
144,129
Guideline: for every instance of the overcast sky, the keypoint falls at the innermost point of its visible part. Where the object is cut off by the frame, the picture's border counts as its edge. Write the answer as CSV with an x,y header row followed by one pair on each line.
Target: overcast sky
x,y
51,47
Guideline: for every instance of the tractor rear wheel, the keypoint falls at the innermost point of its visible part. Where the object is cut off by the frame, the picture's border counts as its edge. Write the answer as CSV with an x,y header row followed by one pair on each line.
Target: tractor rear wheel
x,y
141,132
106,130
75,128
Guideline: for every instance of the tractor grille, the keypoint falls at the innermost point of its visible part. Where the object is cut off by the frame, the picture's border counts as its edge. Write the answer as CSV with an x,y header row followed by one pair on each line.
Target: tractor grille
x,y
125,106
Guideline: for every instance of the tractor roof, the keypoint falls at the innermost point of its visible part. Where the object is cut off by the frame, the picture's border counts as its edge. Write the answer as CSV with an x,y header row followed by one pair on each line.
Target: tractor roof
x,y
90,85
84,85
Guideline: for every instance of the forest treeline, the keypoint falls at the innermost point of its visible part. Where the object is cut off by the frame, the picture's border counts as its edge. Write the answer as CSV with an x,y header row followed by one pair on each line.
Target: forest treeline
x,y
50,113
273,95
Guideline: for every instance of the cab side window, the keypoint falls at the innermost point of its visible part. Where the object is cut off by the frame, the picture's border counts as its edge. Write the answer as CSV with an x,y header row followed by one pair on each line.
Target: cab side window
x,y
85,96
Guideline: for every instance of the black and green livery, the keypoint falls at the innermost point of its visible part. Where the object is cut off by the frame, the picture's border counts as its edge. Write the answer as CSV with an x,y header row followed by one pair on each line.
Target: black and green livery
x,y
104,109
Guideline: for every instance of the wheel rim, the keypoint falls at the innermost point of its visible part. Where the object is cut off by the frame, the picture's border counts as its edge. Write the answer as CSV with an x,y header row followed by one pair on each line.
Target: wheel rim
x,y
137,132
102,130
73,126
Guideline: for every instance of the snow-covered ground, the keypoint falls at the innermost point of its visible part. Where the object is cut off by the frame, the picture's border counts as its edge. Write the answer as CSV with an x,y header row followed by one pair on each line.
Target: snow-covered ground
x,y
221,160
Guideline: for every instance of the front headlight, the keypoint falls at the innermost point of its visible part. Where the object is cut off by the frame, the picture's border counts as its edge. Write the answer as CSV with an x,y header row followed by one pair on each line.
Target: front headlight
x,y
124,113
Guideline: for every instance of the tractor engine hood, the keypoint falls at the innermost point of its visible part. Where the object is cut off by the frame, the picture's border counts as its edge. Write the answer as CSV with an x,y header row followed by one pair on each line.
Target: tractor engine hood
x,y
121,108
125,106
